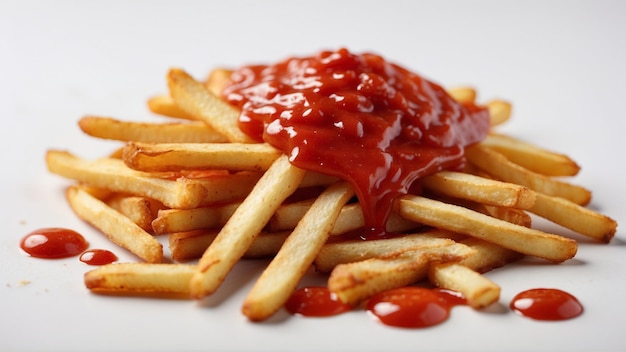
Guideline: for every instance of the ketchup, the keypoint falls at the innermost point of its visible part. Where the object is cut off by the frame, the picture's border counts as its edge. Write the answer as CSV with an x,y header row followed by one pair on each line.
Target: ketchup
x,y
413,307
97,257
315,301
53,243
546,304
357,117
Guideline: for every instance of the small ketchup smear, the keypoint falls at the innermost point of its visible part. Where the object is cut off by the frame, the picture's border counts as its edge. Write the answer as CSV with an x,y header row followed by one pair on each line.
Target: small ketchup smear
x,y
98,257
315,301
546,304
413,307
53,243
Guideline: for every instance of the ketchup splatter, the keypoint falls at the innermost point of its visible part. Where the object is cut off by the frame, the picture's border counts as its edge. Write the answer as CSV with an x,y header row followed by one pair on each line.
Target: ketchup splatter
x,y
315,301
546,304
358,117
413,307
53,243
98,257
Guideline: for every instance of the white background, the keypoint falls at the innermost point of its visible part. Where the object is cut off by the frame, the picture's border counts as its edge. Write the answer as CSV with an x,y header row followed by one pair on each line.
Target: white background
x,y
561,64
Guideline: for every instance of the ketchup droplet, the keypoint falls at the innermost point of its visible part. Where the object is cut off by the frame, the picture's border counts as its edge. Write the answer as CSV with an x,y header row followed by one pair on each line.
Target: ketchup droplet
x,y
315,302
53,242
413,307
98,257
546,304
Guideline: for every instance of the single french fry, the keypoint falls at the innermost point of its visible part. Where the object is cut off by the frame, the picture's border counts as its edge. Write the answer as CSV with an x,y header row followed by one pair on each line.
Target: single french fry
x,y
193,97
575,217
140,278
487,256
479,189
350,218
217,80
139,210
512,215
166,106
118,228
146,132
478,291
356,281
459,219
199,156
182,193
501,168
464,276
280,180
282,275
462,94
532,157
343,252
182,220
190,245
499,111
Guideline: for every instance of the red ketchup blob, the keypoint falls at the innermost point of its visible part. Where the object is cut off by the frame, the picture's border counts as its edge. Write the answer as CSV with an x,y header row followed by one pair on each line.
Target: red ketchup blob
x,y
358,117
98,257
546,304
315,302
52,243
413,307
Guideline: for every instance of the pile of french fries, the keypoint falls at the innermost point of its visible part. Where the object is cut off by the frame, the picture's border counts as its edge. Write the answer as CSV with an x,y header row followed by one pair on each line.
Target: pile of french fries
x,y
220,198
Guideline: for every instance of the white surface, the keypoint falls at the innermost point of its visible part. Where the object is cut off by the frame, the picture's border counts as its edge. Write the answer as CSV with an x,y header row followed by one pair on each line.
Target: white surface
x,y
561,63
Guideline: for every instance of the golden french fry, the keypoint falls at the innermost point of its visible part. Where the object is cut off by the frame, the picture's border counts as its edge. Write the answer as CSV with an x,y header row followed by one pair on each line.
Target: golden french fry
x,y
458,219
146,132
462,94
118,228
531,157
487,256
343,252
190,245
217,80
282,275
182,220
350,218
182,193
575,217
280,180
139,210
478,291
140,278
199,156
512,215
479,189
499,111
166,106
192,97
464,276
356,281
500,167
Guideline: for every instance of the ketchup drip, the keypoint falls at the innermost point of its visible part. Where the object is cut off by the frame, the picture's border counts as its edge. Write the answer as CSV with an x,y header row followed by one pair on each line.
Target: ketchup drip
x,y
546,304
53,243
97,257
315,301
357,117
413,307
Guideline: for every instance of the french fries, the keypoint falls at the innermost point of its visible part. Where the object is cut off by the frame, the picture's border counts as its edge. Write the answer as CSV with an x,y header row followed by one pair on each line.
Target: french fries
x,y
220,196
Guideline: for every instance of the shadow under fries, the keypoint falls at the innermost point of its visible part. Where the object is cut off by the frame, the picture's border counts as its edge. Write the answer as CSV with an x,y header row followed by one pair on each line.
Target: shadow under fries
x,y
244,273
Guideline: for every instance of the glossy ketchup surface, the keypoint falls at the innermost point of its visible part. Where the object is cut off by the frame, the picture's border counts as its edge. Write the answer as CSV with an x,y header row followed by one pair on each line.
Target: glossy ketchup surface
x,y
413,307
546,304
358,117
98,257
53,243
315,302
